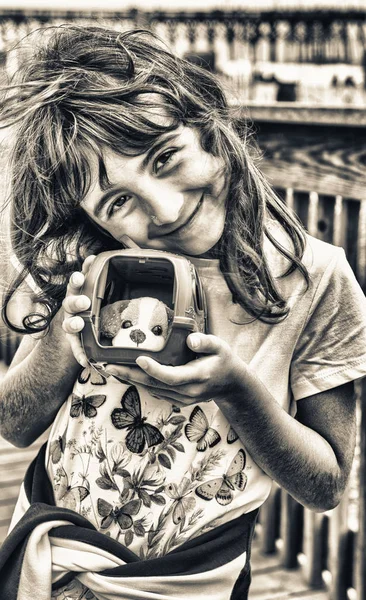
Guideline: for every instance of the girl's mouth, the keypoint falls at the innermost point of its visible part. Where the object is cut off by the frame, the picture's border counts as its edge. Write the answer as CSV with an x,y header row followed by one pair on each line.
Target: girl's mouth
x,y
182,228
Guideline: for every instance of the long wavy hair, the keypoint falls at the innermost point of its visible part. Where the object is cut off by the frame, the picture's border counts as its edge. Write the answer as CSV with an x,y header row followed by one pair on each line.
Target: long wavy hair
x,y
89,88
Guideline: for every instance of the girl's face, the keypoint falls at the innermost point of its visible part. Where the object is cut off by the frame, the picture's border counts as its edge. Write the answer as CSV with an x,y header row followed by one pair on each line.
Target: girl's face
x,y
172,198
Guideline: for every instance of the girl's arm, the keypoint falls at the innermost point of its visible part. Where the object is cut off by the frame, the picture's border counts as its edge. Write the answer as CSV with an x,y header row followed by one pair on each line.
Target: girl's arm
x,y
310,456
38,381
43,371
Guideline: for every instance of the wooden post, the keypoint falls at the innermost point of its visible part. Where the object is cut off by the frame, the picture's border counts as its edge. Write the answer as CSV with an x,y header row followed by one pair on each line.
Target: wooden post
x,y
269,521
311,558
338,551
313,213
361,247
339,233
291,530
361,536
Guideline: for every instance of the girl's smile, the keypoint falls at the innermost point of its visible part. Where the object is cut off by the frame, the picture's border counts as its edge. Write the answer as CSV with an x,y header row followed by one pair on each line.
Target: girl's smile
x,y
172,197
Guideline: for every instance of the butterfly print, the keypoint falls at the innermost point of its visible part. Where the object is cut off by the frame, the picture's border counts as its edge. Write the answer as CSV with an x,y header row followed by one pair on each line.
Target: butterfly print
x,y
86,405
222,488
57,448
232,436
129,417
122,515
182,503
91,374
69,496
198,430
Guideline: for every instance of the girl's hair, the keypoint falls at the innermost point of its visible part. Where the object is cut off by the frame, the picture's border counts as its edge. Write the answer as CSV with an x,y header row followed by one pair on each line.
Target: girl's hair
x,y
85,90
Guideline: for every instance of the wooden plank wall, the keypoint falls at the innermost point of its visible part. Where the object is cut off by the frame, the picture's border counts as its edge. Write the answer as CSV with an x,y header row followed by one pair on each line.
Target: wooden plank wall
x,y
320,172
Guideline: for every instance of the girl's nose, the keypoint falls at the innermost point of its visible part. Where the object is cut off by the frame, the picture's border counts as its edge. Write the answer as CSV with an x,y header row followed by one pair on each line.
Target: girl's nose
x,y
163,205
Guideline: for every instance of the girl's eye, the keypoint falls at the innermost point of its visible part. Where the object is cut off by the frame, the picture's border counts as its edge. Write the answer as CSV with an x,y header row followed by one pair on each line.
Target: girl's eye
x,y
157,330
126,324
163,160
118,203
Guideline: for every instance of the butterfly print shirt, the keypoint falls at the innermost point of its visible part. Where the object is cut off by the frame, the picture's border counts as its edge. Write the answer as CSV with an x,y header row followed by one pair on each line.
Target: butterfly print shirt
x,y
146,472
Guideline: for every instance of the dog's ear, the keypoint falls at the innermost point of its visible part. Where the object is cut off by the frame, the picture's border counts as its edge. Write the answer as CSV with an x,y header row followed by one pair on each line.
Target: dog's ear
x,y
110,318
170,315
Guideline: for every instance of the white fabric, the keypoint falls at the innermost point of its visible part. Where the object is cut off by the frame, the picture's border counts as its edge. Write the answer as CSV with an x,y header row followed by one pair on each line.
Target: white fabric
x,y
36,573
21,506
216,584
70,555
47,558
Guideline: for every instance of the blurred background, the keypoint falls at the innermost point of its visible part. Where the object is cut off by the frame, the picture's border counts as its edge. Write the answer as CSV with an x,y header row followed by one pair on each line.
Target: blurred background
x,y
295,72
310,51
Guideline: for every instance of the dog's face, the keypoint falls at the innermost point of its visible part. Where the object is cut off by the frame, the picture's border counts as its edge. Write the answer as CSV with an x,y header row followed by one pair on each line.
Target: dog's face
x,y
139,323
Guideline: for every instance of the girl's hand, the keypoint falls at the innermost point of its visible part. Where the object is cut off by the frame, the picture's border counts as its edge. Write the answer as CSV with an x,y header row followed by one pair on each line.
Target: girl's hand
x,y
74,303
216,374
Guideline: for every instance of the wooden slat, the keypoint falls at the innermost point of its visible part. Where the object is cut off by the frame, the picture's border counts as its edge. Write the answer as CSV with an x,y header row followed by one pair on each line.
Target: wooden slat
x,y
326,218
361,247
352,213
312,558
339,556
339,233
327,160
313,213
360,577
269,521
291,531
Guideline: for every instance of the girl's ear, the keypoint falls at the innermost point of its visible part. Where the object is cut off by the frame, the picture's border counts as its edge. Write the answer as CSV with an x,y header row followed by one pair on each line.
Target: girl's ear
x,y
110,318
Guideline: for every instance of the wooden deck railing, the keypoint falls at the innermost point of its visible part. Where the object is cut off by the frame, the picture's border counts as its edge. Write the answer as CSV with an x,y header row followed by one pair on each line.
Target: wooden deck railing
x,y
322,165
246,45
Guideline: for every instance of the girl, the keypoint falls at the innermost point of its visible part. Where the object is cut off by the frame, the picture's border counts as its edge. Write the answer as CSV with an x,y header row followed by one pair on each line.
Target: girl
x,y
115,136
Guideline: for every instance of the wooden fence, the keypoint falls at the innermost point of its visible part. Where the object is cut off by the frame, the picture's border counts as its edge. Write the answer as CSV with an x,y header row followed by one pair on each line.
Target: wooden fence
x,y
319,170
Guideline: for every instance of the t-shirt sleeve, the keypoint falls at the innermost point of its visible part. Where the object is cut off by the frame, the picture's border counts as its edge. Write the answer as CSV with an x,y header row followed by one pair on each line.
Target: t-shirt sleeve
x,y
331,349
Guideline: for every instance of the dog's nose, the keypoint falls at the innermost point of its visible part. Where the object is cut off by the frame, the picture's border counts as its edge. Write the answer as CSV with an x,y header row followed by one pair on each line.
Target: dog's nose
x,y
137,336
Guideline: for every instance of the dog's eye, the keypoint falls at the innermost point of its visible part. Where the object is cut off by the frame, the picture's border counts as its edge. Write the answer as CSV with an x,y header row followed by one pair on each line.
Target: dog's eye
x,y
126,324
157,330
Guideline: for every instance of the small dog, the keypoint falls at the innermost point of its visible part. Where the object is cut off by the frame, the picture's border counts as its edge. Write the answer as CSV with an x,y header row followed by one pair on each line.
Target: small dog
x,y
139,323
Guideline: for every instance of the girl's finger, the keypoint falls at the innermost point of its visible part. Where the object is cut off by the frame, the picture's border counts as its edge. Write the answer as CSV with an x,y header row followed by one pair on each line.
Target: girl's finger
x,y
88,263
76,282
73,304
170,400
176,399
205,344
73,325
190,373
77,349
133,375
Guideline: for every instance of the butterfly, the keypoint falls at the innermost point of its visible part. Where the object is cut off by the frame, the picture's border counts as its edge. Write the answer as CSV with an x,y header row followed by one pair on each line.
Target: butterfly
x,y
92,374
232,436
129,417
121,515
86,405
182,504
222,488
198,430
57,448
69,496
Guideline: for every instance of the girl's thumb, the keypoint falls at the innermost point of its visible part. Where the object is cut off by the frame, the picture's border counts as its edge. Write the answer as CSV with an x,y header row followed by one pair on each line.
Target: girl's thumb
x,y
204,344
